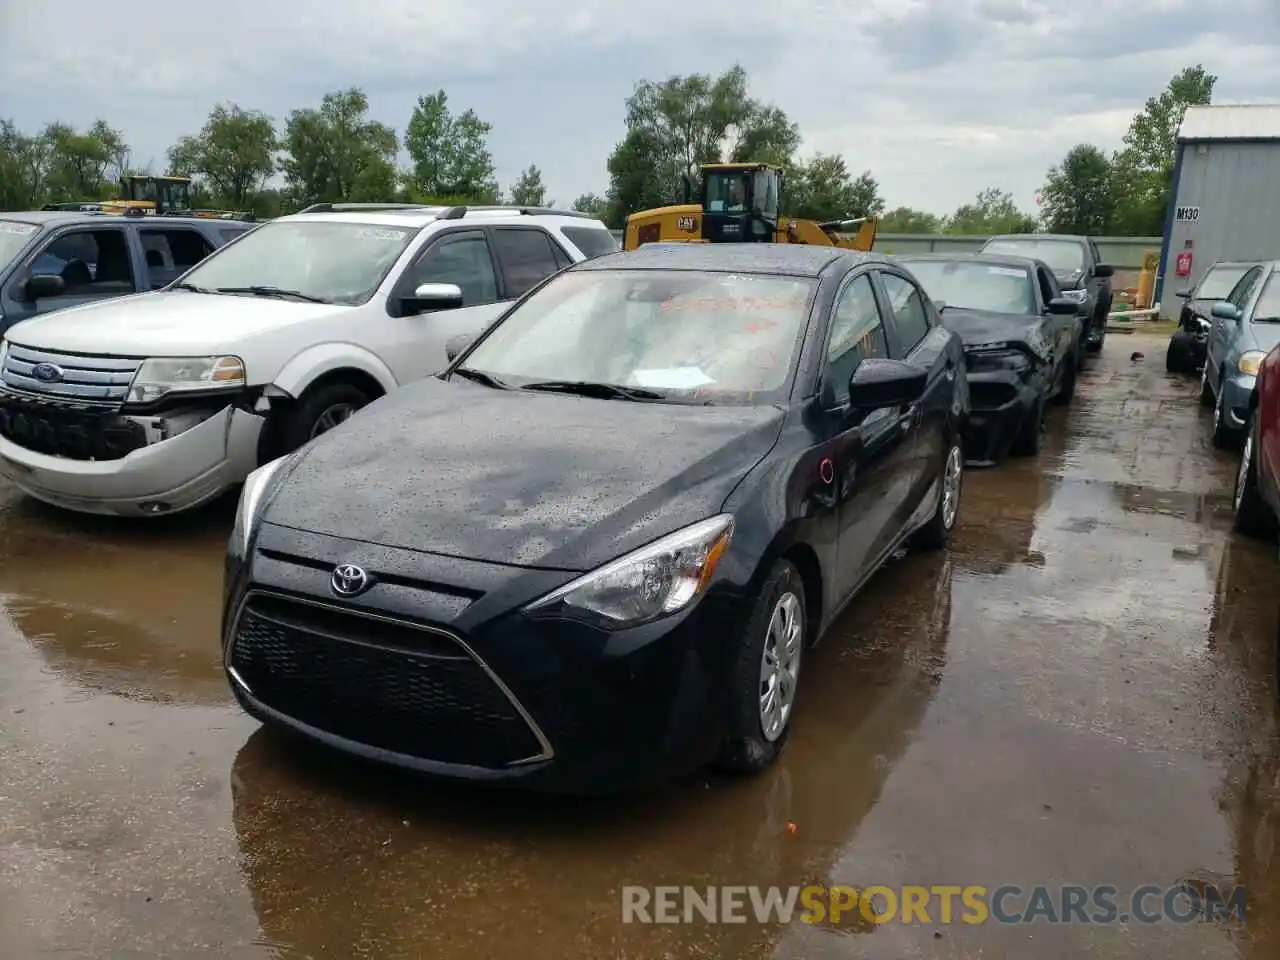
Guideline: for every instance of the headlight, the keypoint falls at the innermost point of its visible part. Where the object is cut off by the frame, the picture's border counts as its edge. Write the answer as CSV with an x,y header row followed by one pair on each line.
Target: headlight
x,y
1079,296
654,581
253,497
160,376
997,357
1250,361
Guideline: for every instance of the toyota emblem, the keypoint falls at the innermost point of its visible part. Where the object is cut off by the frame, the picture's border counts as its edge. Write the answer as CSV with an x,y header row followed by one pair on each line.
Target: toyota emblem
x,y
348,580
47,372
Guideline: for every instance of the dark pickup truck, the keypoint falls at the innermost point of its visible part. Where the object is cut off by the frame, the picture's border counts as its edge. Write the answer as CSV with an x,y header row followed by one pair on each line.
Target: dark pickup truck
x,y
1078,267
83,257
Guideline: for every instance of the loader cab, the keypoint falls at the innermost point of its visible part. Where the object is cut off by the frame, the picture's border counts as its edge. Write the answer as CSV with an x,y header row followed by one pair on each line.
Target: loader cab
x,y
740,202
161,195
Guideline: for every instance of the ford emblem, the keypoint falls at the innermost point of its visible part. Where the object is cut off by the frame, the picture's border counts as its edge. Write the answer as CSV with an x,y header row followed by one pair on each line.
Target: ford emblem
x,y
47,372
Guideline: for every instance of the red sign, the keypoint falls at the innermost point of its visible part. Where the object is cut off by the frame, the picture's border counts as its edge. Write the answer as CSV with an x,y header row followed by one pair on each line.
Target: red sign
x,y
1182,265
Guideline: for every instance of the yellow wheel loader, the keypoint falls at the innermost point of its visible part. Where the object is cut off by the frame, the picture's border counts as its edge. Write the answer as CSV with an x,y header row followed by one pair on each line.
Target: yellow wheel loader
x,y
738,203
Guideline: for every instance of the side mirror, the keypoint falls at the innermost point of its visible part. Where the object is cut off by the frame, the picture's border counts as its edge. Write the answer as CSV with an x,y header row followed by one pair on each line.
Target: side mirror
x,y
1104,270
876,384
456,344
1183,294
1063,307
1225,311
434,296
42,285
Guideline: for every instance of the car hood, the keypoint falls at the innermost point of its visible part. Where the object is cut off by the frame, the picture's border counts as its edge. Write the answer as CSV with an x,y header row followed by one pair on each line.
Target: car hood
x,y
165,323
1265,335
1068,279
977,328
521,478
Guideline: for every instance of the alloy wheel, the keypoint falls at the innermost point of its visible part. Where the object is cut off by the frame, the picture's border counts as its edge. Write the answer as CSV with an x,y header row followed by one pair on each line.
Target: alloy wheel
x,y
330,417
1242,475
780,665
951,478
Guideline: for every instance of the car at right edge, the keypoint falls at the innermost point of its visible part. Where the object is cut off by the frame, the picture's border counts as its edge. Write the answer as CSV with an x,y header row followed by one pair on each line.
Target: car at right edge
x,y
1256,498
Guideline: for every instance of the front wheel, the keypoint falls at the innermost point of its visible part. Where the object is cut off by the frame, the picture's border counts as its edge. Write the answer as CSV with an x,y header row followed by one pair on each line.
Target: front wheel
x,y
1067,392
1252,516
318,411
935,534
1027,443
1224,437
1206,391
766,675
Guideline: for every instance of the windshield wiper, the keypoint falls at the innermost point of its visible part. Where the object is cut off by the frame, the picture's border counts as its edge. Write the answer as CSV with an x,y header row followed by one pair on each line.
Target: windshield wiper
x,y
261,291
604,391
190,286
1266,319
479,376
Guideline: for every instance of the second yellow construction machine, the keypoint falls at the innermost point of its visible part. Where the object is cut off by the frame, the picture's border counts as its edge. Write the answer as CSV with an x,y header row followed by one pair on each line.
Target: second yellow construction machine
x,y
739,203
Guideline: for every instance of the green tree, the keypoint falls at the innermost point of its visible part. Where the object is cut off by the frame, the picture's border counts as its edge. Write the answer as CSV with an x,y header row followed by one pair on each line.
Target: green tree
x,y
24,168
1142,171
907,220
685,121
993,211
529,191
450,154
83,165
823,189
234,154
591,203
1077,193
337,153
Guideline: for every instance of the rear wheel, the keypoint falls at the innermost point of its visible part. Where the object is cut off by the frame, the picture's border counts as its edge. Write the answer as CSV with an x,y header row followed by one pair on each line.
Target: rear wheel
x,y
766,675
1253,517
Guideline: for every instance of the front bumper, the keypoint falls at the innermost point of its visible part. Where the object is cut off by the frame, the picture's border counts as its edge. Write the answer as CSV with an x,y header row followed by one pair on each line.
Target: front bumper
x,y
433,671
180,473
999,407
1237,397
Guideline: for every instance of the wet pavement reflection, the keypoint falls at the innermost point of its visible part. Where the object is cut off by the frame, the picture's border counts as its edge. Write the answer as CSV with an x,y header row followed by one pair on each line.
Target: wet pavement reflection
x,y
1079,691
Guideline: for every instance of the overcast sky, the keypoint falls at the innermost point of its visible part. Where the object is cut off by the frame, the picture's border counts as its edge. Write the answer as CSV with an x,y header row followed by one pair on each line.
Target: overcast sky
x,y
938,98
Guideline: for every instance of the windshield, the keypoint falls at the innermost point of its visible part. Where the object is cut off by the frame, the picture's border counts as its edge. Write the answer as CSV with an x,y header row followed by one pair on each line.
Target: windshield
x,y
971,285
1062,256
1219,282
13,237
334,262
1267,309
693,337
727,192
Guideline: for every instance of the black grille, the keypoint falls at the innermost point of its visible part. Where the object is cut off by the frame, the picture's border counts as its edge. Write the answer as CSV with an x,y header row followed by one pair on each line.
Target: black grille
x,y
989,396
68,429
401,689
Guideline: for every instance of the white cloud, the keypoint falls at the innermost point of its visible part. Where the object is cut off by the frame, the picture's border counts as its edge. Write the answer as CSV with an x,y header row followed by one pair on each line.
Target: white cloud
x,y
938,98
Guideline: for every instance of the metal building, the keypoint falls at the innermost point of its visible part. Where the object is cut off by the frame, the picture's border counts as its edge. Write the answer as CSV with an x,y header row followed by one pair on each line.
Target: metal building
x,y
1226,195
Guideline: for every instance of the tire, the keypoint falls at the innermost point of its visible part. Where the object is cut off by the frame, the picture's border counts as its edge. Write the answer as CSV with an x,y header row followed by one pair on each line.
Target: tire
x,y
1031,433
304,421
1068,390
1100,324
1175,359
1224,437
1252,516
935,534
1206,392
779,615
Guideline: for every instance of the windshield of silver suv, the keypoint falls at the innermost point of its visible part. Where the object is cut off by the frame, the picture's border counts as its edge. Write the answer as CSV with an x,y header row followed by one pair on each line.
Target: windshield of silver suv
x,y
322,261
678,335
14,236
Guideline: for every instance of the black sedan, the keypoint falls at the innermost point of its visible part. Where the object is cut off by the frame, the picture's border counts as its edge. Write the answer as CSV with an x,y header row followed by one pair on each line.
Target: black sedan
x,y
1023,343
591,552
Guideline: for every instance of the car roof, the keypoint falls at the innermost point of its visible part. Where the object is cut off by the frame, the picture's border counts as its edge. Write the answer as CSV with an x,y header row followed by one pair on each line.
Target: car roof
x,y
790,259
995,259
60,218
1072,237
419,215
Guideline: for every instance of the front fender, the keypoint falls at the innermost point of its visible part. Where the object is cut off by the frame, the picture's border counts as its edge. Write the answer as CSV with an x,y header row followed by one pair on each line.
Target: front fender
x,y
324,358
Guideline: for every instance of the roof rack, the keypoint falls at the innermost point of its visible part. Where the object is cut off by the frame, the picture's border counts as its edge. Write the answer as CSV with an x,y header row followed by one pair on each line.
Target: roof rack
x,y
513,208
370,207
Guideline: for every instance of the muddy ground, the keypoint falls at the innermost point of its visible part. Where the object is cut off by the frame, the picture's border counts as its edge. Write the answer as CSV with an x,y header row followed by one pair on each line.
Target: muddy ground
x,y
1077,692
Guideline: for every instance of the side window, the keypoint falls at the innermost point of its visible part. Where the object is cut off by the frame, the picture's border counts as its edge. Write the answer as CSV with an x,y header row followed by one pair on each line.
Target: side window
x,y
172,252
464,260
909,311
526,257
228,233
596,241
90,263
562,259
856,333
1243,289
